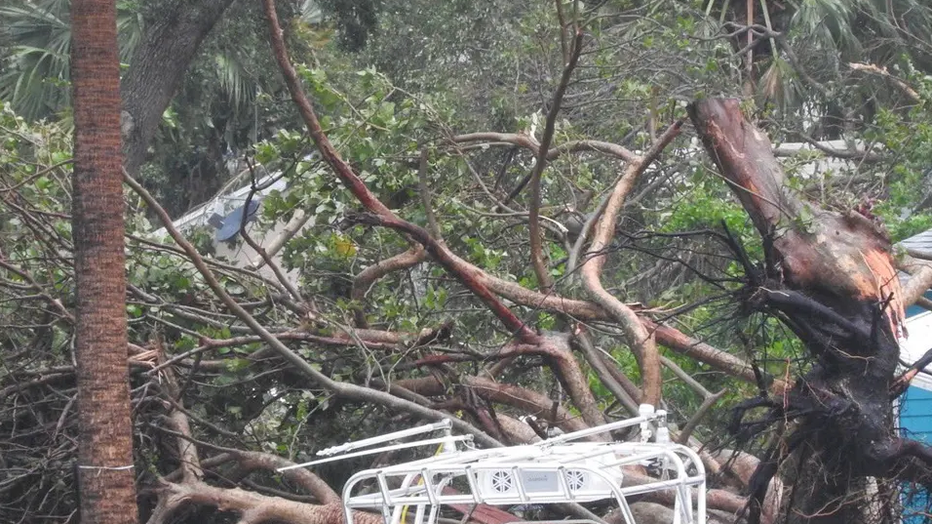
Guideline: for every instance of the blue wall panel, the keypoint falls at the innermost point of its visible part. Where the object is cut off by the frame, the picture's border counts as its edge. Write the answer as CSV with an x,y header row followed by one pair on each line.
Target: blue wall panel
x,y
915,409
916,414
916,423
914,310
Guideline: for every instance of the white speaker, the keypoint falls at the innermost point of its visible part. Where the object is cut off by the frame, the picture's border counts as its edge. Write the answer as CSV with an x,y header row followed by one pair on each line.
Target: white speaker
x,y
503,483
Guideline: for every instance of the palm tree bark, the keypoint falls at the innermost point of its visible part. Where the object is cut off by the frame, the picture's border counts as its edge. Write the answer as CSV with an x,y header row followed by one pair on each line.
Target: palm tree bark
x,y
105,452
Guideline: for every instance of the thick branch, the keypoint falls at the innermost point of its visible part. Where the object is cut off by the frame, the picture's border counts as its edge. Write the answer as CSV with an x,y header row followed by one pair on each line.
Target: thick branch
x,y
882,71
528,142
714,357
187,452
639,339
666,335
844,256
364,280
251,506
252,460
598,146
920,272
158,67
517,139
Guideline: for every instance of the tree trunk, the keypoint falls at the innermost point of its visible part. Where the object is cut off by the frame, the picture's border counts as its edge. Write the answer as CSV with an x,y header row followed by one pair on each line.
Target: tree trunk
x,y
830,278
105,447
158,67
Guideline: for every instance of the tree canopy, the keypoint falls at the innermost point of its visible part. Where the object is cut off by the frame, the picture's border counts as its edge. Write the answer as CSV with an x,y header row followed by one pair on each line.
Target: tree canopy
x,y
526,216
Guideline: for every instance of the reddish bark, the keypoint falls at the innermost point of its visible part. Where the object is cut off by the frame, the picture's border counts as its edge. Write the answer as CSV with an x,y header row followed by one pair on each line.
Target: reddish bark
x,y
382,215
714,357
470,276
640,340
844,256
252,507
105,448
831,279
481,513
544,280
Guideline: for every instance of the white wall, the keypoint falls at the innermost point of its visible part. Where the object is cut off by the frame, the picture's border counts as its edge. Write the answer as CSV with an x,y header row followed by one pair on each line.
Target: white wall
x,y
916,345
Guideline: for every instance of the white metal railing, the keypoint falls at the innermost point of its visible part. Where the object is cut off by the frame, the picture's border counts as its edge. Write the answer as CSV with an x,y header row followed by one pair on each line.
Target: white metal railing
x,y
557,470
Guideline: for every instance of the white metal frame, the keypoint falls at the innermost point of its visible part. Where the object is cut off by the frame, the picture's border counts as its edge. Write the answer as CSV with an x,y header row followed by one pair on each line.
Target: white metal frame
x,y
557,470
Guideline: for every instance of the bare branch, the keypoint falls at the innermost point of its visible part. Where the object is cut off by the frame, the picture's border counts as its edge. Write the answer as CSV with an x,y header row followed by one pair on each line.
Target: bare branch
x,y
253,507
882,71
303,477
594,358
544,280
920,271
517,139
528,142
287,233
432,225
263,254
718,359
639,339
598,146
697,417
187,452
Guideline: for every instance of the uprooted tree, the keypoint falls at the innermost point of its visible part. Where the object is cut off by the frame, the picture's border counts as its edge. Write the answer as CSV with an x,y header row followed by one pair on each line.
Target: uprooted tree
x,y
831,278
443,280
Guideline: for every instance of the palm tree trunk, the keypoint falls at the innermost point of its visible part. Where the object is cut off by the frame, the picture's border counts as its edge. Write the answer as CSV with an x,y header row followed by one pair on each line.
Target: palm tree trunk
x,y
105,454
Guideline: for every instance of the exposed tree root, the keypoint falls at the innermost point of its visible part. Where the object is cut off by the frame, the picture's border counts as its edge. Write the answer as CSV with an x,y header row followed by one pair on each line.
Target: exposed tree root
x,y
831,279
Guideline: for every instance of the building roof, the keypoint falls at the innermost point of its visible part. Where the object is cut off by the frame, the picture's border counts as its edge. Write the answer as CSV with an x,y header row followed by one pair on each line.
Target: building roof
x,y
228,201
920,242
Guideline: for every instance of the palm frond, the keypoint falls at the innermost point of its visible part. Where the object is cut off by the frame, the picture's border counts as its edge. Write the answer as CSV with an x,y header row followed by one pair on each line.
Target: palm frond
x,y
234,80
829,23
36,72
779,84
310,12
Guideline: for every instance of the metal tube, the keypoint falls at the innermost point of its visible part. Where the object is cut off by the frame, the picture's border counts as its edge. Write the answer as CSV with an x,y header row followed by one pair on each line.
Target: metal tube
x,y
595,430
473,486
444,424
393,447
399,510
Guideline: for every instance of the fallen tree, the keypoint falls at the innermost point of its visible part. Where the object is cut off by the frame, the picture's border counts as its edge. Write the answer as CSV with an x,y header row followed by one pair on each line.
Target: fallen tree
x,y
831,278
236,373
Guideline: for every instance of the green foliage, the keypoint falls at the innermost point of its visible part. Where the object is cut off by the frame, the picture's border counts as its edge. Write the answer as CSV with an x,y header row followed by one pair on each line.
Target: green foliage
x,y
908,136
35,76
431,71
